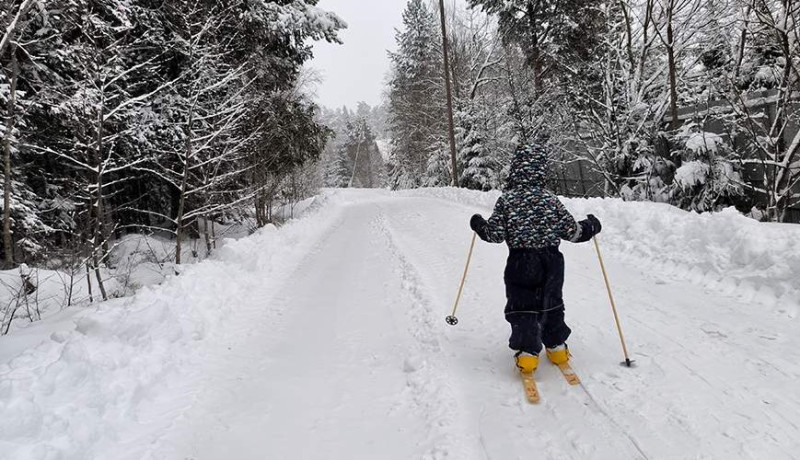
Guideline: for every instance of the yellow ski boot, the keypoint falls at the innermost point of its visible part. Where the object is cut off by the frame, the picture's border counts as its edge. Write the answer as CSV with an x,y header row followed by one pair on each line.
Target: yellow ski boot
x,y
526,362
558,355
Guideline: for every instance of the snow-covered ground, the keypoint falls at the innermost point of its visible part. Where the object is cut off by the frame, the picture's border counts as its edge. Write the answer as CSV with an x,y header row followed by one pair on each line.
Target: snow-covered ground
x,y
136,261
326,339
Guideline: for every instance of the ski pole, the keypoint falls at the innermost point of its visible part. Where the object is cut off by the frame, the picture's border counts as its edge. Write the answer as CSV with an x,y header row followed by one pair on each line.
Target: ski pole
x,y
627,361
452,320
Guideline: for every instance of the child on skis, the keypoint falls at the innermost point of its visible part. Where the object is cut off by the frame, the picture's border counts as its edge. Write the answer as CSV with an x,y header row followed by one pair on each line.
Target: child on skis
x,y
532,222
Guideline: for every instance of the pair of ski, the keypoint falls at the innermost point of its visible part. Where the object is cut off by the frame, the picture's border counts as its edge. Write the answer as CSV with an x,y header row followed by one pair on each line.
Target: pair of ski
x,y
532,391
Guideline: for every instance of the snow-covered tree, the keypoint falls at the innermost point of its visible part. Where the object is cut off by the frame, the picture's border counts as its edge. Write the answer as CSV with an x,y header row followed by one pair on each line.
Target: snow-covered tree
x,y
767,123
273,36
709,176
97,110
26,29
99,89
8,94
359,155
769,33
206,112
416,100
352,153
554,35
479,166
481,114
614,127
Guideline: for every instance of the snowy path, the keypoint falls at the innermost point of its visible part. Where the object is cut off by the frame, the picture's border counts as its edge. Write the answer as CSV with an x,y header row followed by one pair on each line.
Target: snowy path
x,y
327,340
358,363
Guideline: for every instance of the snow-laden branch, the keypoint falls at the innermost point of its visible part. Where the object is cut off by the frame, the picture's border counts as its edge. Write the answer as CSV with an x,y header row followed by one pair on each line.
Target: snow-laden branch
x,y
63,156
139,98
12,26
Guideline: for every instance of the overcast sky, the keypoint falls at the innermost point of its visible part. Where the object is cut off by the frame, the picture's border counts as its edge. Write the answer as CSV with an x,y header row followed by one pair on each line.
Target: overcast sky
x,y
356,71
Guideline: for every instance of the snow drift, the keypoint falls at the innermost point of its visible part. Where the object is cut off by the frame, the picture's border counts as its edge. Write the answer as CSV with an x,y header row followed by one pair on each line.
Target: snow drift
x,y
95,379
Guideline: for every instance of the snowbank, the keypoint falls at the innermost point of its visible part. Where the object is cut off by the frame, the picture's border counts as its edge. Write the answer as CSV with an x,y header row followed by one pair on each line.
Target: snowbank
x,y
30,294
87,383
725,251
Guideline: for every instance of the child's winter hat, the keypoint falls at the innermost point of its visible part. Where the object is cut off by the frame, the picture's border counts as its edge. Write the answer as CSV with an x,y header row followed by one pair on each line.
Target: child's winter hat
x,y
529,167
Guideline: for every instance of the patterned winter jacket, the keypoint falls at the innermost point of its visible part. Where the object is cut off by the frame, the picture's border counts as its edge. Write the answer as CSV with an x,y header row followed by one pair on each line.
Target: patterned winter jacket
x,y
527,216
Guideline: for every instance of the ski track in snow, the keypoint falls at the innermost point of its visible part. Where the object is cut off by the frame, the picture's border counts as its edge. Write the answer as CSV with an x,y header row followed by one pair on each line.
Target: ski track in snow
x,y
336,347
547,442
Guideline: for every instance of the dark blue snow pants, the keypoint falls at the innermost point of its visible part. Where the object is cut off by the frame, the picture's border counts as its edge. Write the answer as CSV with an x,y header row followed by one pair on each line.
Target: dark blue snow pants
x,y
535,306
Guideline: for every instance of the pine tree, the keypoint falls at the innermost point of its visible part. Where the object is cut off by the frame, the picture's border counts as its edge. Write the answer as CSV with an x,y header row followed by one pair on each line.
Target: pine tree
x,y
359,155
416,109
478,164
557,37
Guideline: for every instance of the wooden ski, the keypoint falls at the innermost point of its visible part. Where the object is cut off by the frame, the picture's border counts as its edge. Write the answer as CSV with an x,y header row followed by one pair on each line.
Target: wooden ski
x,y
569,374
531,390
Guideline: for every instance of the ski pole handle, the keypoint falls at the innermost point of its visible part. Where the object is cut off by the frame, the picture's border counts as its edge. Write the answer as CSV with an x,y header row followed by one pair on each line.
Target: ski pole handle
x,y
452,319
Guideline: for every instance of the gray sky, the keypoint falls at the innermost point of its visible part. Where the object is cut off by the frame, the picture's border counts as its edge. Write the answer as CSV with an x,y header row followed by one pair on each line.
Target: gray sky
x,y
356,71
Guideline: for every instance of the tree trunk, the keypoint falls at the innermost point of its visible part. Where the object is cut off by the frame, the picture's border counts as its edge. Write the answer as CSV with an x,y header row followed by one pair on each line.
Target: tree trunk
x,y
786,48
8,246
72,270
742,44
535,52
673,71
628,33
89,281
295,193
583,180
259,211
184,181
370,181
449,90
214,233
207,236
89,247
98,240
512,91
643,55
355,166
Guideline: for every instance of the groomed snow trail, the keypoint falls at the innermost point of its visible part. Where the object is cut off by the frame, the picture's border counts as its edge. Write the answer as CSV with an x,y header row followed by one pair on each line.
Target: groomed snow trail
x,y
326,340
347,366
360,364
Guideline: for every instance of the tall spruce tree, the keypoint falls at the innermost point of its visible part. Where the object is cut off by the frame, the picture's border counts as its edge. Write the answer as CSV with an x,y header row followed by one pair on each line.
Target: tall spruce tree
x,y
479,167
416,102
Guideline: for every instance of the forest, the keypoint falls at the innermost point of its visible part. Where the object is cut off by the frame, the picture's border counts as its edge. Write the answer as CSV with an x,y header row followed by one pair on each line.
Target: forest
x,y
125,116
688,102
